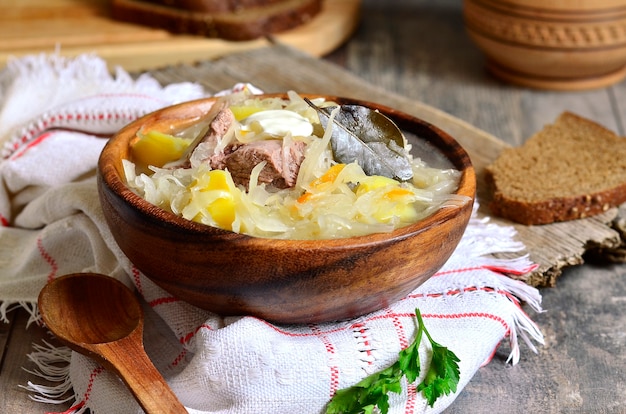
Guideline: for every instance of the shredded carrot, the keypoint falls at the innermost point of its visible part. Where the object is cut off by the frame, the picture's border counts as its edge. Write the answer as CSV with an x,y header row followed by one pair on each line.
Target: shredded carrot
x,y
304,197
328,177
397,193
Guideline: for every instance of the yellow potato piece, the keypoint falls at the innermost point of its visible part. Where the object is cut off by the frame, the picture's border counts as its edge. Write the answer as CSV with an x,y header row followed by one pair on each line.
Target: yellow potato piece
x,y
156,148
395,202
219,189
373,182
223,212
404,211
219,180
243,111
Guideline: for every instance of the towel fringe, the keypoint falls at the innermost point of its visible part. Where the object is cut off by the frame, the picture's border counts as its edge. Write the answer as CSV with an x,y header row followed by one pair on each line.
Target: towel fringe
x,y
30,307
489,239
53,365
524,292
523,326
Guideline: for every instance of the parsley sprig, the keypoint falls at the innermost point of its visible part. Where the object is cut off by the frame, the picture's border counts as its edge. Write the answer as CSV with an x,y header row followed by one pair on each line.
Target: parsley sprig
x,y
441,378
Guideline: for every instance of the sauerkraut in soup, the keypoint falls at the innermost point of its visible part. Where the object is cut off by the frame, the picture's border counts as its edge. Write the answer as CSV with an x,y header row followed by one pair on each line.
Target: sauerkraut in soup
x,y
265,167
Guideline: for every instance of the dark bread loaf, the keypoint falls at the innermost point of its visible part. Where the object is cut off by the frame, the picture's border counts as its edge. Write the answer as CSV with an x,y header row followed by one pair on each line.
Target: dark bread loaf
x,y
214,6
572,169
245,24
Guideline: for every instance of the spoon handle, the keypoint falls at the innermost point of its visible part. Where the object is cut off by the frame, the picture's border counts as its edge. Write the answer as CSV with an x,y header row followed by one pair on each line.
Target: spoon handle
x,y
128,358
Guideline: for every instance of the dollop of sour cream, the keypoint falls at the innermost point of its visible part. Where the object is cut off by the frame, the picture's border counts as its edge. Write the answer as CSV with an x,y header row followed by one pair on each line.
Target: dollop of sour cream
x,y
278,122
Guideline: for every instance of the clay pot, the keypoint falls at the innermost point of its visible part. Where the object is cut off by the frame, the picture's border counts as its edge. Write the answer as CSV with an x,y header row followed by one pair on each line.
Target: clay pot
x,y
551,44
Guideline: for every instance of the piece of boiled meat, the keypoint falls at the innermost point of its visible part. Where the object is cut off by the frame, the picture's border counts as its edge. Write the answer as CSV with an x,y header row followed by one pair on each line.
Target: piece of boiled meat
x,y
282,162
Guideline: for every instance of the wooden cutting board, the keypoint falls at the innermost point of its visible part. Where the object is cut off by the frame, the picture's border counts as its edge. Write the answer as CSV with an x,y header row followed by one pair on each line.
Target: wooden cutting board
x,y
85,26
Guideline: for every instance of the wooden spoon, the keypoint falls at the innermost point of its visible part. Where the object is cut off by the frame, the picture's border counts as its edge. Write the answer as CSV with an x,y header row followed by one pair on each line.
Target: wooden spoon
x,y
99,316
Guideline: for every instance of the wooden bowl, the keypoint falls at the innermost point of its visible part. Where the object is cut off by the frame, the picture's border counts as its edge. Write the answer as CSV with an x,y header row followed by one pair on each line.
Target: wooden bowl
x,y
551,44
283,281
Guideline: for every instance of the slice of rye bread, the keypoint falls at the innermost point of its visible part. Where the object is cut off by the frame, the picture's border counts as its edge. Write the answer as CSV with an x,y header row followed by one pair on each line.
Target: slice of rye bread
x,y
246,24
214,6
571,169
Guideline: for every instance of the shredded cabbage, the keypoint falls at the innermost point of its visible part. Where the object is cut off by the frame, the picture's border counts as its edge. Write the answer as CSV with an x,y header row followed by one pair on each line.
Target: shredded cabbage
x,y
329,200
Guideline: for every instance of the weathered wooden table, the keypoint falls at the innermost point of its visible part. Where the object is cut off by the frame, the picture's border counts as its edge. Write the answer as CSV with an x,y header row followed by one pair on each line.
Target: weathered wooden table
x,y
407,54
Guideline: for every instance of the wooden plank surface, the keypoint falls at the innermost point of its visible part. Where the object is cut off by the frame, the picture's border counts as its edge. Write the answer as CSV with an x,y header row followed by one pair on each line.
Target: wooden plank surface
x,y
582,367
85,26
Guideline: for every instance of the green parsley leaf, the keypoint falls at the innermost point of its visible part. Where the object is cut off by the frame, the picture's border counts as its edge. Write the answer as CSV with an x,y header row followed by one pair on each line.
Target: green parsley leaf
x,y
369,393
443,373
441,378
409,359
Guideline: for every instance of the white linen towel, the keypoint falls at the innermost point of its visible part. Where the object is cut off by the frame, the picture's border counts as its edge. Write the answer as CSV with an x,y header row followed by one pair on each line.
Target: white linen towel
x,y
54,113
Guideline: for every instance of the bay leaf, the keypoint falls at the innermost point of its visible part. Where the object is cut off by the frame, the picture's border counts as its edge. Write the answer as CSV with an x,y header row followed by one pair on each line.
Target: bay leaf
x,y
368,137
